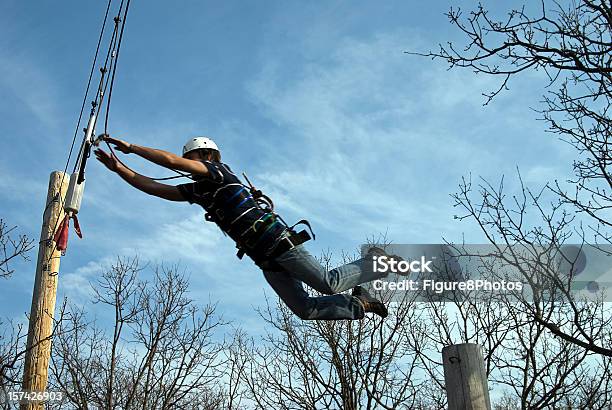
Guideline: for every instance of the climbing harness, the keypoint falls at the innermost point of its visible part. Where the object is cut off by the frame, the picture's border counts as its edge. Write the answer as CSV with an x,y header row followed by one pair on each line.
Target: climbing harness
x,y
286,242
245,214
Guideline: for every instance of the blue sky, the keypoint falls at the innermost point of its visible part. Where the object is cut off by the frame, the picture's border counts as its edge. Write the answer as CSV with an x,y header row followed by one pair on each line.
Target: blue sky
x,y
316,101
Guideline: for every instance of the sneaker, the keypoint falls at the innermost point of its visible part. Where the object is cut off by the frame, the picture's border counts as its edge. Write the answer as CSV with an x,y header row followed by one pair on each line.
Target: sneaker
x,y
369,303
376,251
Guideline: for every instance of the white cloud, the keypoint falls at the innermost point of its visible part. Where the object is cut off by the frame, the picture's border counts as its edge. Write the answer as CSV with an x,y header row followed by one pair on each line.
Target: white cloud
x,y
77,284
26,81
540,173
362,155
371,138
19,186
200,248
191,239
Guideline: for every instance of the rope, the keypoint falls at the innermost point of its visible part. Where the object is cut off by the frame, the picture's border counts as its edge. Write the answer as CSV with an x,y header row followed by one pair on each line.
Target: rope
x,y
99,99
106,83
102,86
110,55
114,71
110,93
180,174
93,67
95,103
78,125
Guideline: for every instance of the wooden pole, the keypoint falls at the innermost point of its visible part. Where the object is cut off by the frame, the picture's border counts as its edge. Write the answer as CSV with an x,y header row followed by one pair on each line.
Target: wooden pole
x,y
45,289
465,377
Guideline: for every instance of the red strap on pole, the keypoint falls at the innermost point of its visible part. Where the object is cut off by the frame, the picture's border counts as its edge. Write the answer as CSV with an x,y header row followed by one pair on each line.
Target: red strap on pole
x,y
61,235
77,227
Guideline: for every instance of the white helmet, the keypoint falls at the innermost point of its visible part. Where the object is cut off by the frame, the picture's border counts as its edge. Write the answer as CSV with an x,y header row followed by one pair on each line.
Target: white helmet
x,y
199,143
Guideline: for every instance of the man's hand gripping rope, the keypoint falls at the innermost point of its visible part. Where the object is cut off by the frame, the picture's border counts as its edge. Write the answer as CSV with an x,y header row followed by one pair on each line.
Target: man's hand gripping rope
x,y
110,160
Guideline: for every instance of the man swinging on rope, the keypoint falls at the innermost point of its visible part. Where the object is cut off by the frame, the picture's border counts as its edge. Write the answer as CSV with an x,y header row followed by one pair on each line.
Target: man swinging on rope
x,y
258,232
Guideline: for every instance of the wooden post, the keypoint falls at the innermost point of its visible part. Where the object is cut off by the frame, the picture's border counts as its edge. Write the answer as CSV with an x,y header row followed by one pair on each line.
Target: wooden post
x,y
45,288
465,377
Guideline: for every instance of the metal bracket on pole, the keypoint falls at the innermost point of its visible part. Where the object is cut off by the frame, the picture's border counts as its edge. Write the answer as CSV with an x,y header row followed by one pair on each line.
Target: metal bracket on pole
x,y
89,132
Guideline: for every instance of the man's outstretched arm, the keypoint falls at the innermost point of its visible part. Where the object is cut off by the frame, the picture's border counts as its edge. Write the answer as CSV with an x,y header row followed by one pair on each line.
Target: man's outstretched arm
x,y
164,158
140,182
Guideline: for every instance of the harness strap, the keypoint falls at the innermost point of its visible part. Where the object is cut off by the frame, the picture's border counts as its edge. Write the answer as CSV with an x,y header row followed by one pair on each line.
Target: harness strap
x,y
251,239
258,240
266,224
304,222
215,212
259,196
287,243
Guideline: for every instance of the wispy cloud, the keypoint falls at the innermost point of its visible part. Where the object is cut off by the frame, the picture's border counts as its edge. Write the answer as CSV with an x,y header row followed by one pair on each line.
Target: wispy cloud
x,y
25,81
360,155
371,138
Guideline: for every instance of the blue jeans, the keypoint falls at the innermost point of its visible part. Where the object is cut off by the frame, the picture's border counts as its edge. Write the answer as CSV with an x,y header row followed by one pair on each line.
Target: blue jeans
x,y
299,267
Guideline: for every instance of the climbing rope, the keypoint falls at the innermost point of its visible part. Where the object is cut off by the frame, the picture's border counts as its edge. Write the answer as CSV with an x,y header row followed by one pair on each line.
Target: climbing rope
x,y
103,95
93,67
60,235
80,117
108,102
97,103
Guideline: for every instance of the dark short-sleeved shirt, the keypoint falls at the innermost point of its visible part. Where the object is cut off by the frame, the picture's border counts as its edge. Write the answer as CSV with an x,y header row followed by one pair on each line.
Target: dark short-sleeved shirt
x,y
232,207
